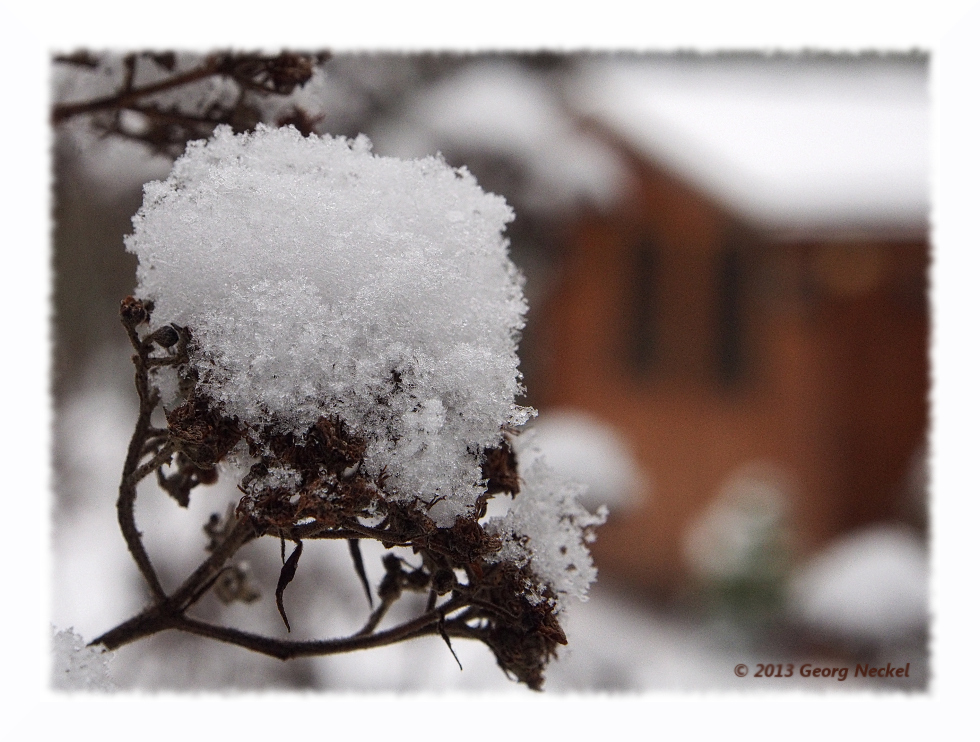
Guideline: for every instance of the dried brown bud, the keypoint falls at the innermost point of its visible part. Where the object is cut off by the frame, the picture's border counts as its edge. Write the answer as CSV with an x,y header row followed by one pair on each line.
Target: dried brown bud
x,y
166,336
443,581
202,434
500,469
133,311
280,74
206,476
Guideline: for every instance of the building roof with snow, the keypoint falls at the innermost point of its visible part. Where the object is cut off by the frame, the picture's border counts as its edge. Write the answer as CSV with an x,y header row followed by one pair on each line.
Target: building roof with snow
x,y
499,108
793,144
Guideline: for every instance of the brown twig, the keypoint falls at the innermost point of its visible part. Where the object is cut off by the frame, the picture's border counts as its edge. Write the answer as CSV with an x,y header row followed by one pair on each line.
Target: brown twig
x,y
127,97
125,505
283,649
377,614
167,129
161,458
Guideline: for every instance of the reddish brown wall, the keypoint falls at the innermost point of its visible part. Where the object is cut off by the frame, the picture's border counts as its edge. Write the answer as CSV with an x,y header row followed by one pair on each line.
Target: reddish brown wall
x,y
835,388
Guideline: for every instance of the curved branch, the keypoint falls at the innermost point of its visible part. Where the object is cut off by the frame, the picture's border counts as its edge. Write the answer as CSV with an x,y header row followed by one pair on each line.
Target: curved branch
x,y
125,505
125,98
163,617
282,649
191,590
161,458
132,472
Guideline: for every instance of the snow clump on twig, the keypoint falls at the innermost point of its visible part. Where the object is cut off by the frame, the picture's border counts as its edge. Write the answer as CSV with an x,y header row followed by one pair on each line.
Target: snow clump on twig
x,y
547,529
78,667
318,279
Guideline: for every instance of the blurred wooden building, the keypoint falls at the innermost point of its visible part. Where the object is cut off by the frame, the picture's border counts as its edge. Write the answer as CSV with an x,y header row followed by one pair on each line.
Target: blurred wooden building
x,y
713,341
739,278
710,346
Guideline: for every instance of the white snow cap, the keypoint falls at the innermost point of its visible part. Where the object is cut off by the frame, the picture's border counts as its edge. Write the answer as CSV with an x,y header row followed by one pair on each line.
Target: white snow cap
x,y
743,531
582,448
870,585
792,142
319,279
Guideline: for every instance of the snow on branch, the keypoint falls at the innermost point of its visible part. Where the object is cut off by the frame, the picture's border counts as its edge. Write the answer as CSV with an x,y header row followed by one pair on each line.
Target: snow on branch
x,y
343,328
319,280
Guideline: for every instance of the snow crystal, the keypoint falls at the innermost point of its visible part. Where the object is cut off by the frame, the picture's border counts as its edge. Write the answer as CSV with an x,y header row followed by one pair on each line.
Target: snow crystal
x,y
77,666
319,279
547,529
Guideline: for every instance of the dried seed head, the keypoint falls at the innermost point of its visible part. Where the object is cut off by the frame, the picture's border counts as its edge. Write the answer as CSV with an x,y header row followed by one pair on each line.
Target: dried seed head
x,y
443,581
166,336
133,311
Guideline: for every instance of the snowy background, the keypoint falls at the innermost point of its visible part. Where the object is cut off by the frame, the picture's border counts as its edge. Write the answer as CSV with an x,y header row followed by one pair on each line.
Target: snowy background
x,y
511,122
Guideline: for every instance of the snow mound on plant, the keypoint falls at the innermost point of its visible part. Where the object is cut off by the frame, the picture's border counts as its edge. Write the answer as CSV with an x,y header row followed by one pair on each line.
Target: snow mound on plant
x,y
319,279
548,530
872,585
77,666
